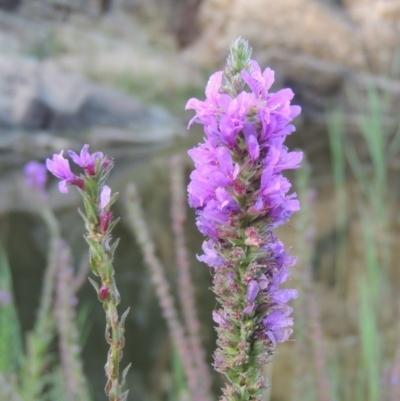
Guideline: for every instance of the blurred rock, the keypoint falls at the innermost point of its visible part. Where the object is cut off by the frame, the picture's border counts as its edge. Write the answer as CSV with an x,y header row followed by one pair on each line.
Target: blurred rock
x,y
64,9
9,5
178,17
315,46
36,96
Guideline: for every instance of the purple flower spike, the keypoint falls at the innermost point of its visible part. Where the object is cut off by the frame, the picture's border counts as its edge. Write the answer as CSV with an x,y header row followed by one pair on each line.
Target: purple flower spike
x,y
240,197
85,159
59,166
35,175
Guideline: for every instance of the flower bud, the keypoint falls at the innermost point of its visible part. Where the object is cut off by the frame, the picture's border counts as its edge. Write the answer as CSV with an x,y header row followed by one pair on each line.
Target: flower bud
x,y
103,292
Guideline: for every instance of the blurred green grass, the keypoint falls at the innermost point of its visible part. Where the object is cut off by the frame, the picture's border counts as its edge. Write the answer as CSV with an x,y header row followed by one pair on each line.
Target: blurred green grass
x,y
366,275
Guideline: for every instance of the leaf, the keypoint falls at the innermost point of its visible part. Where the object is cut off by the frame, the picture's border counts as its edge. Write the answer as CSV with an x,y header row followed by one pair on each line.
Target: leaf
x,y
113,224
124,373
114,246
94,284
85,219
123,317
124,396
91,211
95,249
11,349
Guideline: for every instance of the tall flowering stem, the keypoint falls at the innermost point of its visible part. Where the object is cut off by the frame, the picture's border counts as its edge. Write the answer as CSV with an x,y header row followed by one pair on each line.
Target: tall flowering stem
x,y
39,340
240,197
72,369
163,291
99,223
185,284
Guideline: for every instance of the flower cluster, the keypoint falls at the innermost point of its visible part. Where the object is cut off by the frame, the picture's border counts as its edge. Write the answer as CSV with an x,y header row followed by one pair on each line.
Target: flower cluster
x,y
240,196
93,165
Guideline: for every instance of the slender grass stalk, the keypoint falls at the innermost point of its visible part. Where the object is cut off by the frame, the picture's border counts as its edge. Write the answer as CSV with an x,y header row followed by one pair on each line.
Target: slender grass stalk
x,y
310,332
395,377
369,387
57,387
179,390
185,284
162,288
81,275
319,348
38,341
336,132
375,184
9,389
11,350
74,378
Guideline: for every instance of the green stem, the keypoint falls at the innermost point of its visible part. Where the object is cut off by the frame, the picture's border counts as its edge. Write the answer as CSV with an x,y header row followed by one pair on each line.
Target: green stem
x,y
101,255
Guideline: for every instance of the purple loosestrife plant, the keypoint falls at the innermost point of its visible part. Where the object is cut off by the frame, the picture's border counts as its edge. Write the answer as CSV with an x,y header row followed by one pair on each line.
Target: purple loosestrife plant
x,y
240,197
98,221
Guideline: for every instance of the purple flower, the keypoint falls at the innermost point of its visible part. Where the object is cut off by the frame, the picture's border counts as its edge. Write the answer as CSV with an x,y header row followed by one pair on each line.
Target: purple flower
x,y
283,296
276,325
35,175
105,215
210,256
59,166
5,297
105,195
85,159
219,317
252,290
208,108
249,128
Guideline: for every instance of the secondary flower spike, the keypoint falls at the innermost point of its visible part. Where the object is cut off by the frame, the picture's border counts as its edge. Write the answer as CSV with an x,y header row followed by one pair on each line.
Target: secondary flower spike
x,y
240,197
98,199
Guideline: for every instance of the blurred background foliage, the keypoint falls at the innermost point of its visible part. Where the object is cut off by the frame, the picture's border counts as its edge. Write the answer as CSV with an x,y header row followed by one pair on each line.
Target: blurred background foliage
x,y
117,74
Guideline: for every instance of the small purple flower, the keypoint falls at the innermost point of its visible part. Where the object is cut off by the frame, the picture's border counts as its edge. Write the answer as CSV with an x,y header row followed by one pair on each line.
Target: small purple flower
x,y
276,324
105,215
263,282
284,296
59,166
252,290
85,159
105,197
208,108
5,297
219,317
210,256
35,175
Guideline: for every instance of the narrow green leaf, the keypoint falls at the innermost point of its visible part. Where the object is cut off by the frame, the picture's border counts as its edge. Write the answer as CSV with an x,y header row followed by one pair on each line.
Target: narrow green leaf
x,y
94,284
11,349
